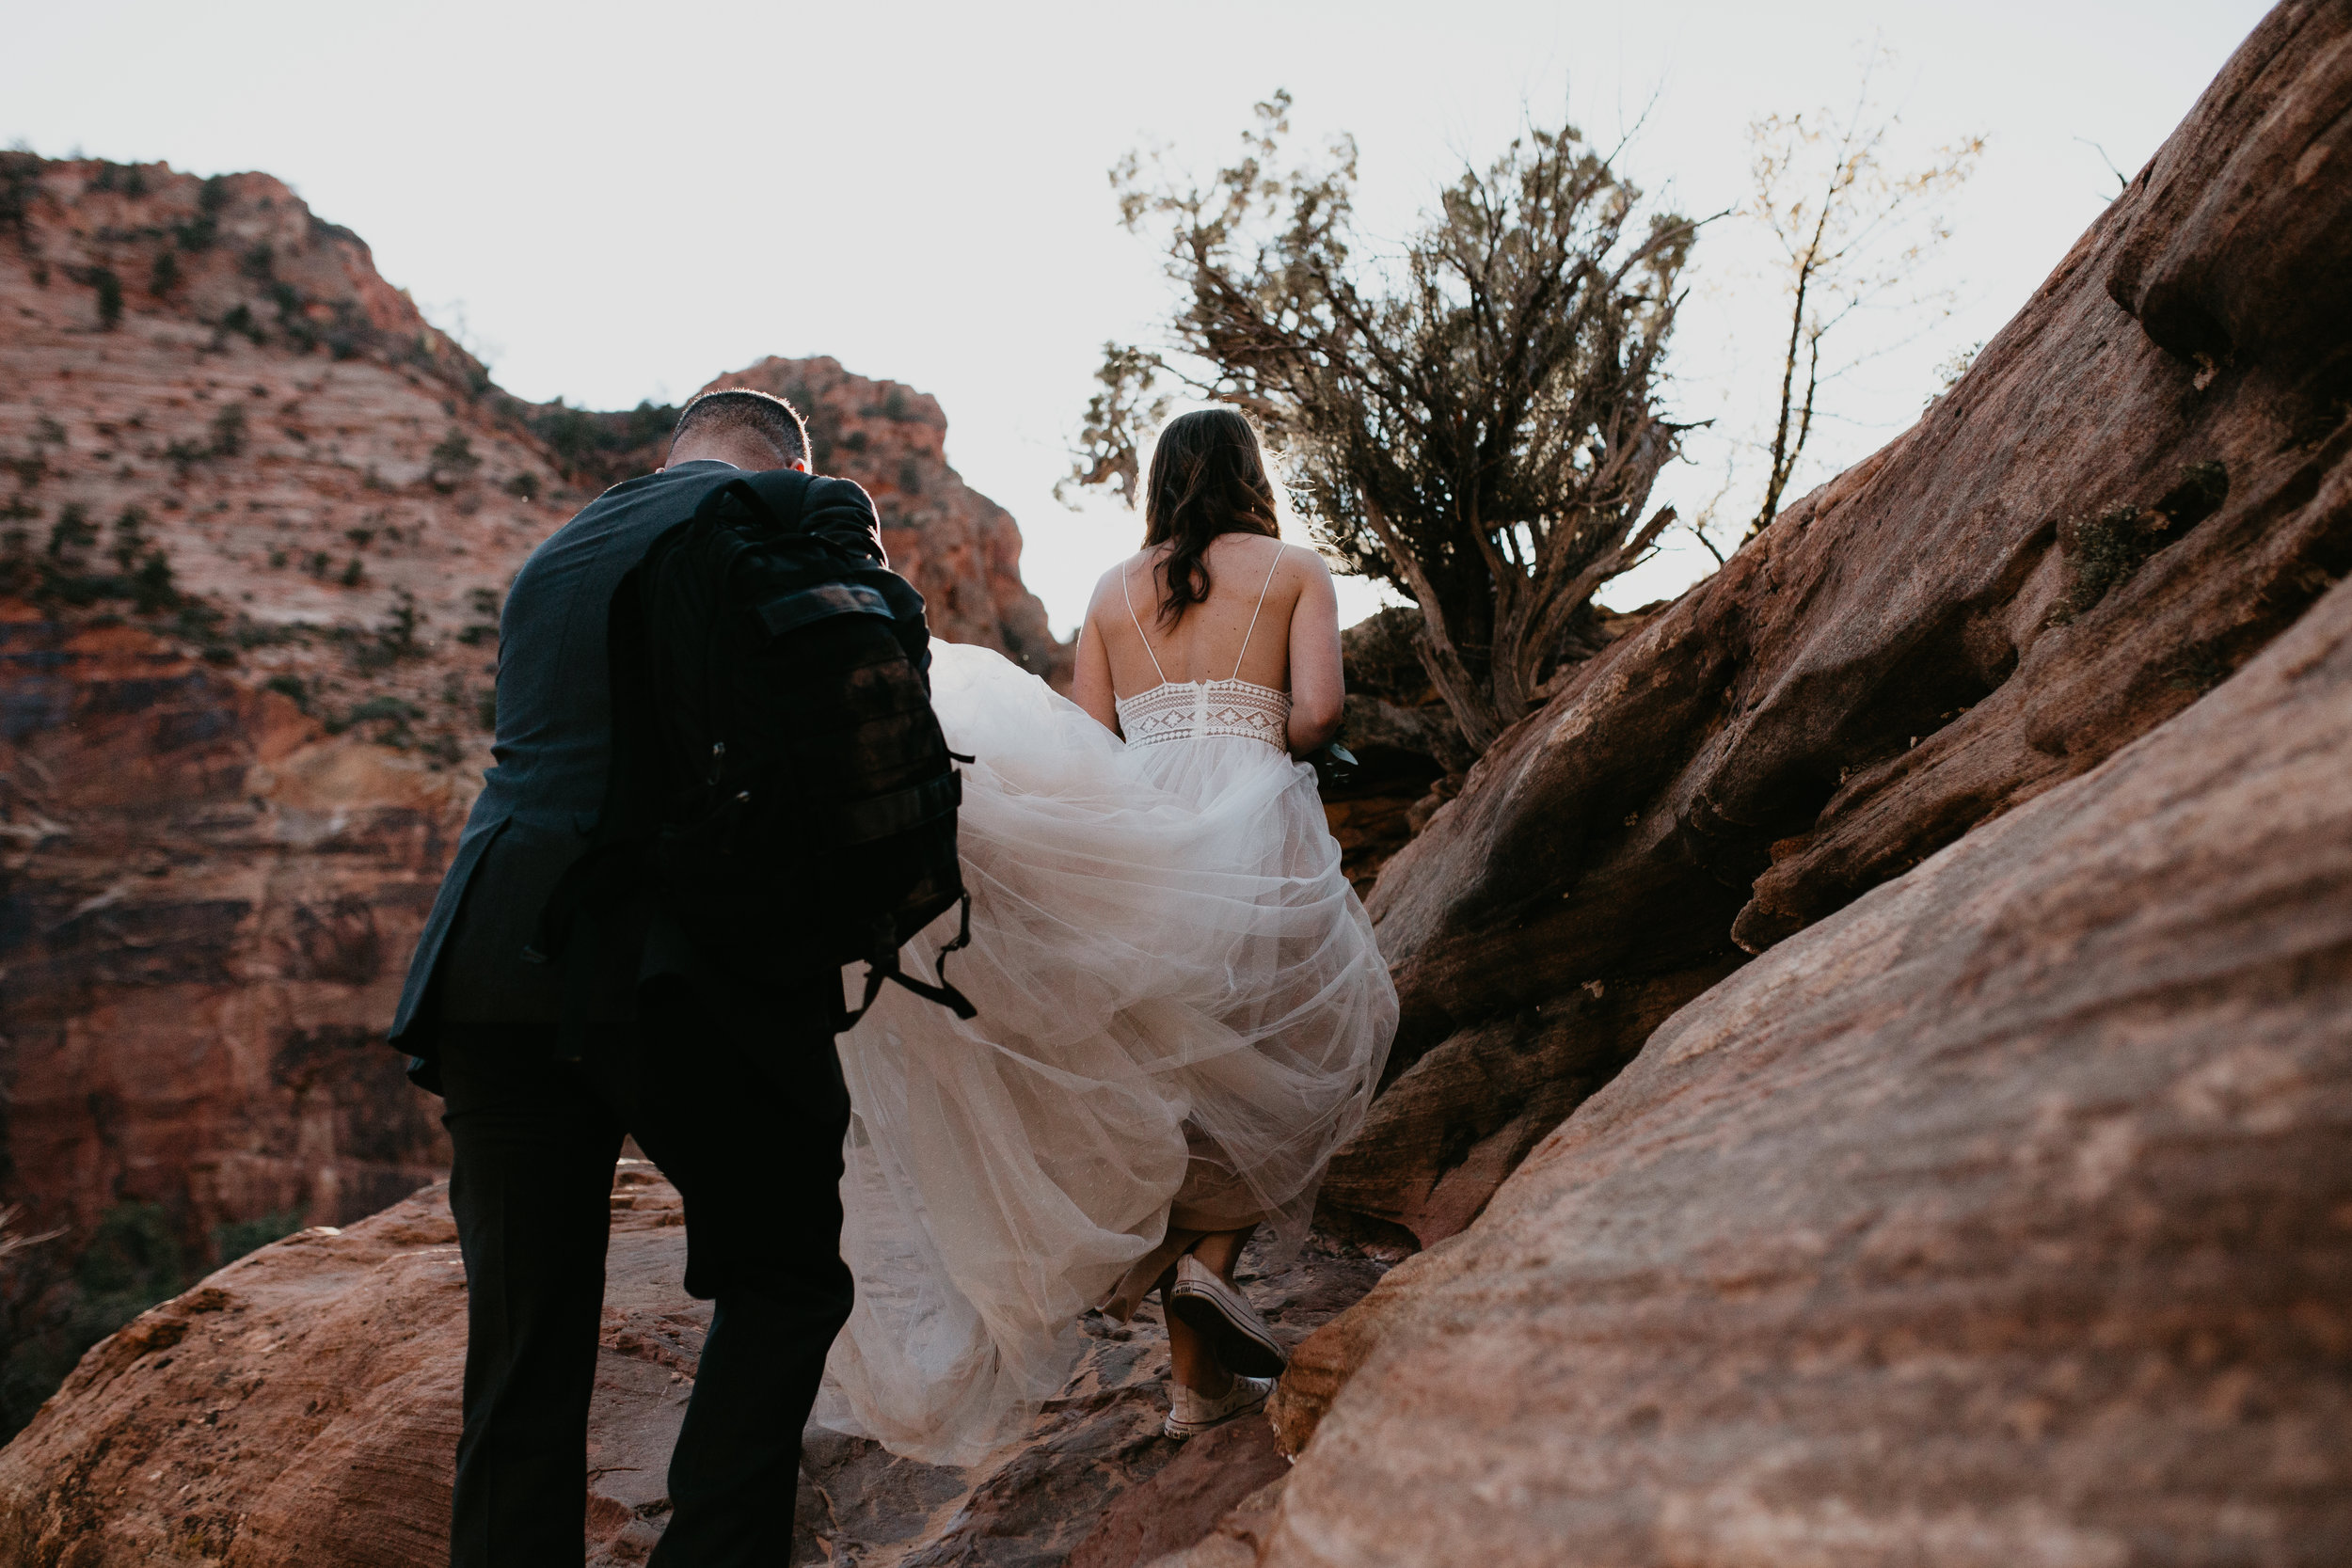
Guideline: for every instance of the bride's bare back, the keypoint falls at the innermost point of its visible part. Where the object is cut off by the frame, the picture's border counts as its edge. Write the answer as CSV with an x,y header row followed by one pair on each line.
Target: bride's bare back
x,y
1286,591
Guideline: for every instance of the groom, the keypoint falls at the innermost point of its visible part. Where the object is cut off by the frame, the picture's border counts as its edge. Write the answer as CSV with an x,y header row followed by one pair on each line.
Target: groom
x,y
737,1098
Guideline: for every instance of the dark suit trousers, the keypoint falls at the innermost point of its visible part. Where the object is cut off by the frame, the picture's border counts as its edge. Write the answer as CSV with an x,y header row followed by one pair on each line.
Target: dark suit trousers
x,y
750,1133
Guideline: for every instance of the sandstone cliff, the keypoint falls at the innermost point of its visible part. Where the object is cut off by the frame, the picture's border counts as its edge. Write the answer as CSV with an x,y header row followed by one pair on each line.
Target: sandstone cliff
x,y
257,518
2004,1215
960,549
2140,482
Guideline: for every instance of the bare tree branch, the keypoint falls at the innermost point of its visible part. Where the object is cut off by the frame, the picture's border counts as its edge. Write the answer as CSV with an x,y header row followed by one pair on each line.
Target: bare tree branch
x,y
1850,230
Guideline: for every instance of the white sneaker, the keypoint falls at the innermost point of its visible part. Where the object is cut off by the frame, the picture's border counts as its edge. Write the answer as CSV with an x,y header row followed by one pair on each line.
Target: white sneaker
x,y
1190,1413
1216,1311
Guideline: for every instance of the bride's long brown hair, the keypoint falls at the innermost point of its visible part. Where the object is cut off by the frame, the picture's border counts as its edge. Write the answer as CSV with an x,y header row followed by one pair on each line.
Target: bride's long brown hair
x,y
1208,478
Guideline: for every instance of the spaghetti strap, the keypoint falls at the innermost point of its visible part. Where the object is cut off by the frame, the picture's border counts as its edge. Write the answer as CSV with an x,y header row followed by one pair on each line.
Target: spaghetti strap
x,y
1130,595
1278,548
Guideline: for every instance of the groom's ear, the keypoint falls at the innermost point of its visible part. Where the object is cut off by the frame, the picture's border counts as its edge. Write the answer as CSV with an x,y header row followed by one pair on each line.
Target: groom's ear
x,y
800,464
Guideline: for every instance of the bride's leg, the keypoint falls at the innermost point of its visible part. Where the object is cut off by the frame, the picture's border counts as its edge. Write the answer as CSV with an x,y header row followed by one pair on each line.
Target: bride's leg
x,y
1222,1249
1193,1360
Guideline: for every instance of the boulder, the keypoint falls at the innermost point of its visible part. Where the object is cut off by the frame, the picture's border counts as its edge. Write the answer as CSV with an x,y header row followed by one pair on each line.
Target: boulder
x,y
2139,484
2004,1215
302,1405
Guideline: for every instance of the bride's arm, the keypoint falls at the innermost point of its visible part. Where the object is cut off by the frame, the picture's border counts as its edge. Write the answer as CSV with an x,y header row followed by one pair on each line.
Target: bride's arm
x,y
1090,687
1318,683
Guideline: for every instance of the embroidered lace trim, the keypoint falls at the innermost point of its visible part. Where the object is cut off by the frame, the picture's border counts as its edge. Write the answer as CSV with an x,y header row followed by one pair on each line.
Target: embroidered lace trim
x,y
1180,710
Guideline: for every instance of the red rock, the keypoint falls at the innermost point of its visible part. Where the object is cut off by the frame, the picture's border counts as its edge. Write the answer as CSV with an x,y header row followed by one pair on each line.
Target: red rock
x,y
219,837
960,549
301,1406
2005,1215
1905,655
1185,1502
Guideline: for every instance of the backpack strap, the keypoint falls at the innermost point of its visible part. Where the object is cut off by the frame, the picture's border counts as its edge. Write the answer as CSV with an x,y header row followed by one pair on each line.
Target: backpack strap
x,y
837,511
883,965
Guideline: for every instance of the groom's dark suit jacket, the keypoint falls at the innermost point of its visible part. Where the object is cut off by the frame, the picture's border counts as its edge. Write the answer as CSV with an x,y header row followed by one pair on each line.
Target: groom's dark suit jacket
x,y
539,802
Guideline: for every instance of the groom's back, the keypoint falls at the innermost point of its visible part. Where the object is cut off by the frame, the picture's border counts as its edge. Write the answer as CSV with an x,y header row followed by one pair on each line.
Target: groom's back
x,y
554,745
554,702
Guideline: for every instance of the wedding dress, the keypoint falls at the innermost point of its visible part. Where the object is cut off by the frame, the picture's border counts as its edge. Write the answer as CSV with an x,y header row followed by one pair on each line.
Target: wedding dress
x,y
1180,1005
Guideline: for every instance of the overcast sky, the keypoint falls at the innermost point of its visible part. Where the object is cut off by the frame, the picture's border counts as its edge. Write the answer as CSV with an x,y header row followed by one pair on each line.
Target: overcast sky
x,y
619,202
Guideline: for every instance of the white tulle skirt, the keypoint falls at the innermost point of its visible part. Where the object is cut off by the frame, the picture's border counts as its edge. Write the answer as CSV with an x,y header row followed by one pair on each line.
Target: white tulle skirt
x,y
1178,991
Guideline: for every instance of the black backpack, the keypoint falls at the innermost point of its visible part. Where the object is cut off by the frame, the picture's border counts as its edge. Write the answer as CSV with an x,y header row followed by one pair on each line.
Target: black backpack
x,y
779,783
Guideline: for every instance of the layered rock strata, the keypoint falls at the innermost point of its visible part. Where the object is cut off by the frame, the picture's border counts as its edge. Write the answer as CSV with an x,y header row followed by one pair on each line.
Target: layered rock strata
x,y
258,526
301,1406
257,520
2141,481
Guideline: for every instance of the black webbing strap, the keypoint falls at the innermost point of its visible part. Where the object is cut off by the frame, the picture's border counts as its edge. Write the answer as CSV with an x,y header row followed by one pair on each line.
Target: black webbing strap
x,y
791,611
884,966
898,812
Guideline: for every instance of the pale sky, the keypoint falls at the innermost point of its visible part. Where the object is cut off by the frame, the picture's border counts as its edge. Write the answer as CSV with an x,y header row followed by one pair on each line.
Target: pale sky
x,y
616,202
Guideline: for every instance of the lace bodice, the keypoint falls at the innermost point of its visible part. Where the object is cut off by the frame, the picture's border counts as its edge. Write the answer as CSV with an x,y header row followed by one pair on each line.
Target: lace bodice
x,y
1179,711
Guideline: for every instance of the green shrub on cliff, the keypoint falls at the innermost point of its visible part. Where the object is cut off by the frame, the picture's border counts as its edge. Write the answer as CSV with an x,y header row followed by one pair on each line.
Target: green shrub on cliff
x,y
132,1260
233,1239
109,290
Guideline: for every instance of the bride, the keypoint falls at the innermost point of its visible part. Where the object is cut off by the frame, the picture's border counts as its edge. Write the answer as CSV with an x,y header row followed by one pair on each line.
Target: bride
x,y
1182,1010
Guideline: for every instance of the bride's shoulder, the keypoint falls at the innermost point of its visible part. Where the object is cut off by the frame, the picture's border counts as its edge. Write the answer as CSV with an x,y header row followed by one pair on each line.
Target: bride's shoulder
x,y
1111,589
1119,572
1296,565
1308,563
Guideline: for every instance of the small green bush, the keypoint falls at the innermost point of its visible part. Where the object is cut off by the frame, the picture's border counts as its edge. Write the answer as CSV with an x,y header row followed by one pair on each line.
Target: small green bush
x,y
234,1239
2105,550
110,290
392,714
130,538
132,1262
394,637
229,431
154,589
452,461
71,533
199,233
127,179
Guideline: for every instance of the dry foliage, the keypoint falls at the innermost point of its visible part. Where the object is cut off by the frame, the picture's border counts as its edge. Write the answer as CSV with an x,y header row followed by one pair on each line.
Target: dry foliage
x,y
1852,234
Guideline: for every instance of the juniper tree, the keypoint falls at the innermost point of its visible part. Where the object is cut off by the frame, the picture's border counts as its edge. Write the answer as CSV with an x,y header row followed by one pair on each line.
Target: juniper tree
x,y
1471,416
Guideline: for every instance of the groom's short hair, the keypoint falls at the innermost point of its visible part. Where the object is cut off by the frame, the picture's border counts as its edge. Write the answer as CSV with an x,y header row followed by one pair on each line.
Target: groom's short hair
x,y
739,409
